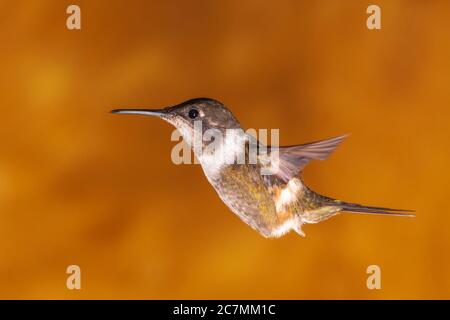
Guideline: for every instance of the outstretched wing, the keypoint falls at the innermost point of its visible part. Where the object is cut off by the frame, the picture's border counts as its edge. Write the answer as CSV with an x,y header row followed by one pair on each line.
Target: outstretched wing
x,y
292,159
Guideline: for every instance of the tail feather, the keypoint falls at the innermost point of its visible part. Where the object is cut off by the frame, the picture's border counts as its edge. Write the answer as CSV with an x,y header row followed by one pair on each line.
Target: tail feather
x,y
357,208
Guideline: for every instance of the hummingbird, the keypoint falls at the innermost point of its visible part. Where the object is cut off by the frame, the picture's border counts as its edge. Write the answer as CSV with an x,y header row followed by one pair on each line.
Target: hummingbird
x,y
272,202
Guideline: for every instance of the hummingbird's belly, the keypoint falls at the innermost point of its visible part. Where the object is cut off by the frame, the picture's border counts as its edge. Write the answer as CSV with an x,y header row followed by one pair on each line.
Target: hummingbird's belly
x,y
242,189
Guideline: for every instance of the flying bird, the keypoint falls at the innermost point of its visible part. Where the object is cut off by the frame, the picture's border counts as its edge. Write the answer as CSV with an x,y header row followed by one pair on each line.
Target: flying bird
x,y
267,194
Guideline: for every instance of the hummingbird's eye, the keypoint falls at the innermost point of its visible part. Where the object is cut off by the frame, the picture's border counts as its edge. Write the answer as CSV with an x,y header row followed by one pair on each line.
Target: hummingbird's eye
x,y
193,113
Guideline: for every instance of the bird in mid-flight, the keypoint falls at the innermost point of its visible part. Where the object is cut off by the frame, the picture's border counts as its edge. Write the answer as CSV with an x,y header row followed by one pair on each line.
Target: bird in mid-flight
x,y
268,194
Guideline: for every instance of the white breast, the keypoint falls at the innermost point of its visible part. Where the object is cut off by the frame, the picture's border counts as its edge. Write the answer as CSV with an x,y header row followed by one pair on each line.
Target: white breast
x,y
231,150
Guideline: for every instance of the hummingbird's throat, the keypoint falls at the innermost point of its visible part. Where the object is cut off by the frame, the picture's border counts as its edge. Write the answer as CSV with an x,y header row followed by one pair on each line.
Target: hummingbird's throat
x,y
216,148
216,151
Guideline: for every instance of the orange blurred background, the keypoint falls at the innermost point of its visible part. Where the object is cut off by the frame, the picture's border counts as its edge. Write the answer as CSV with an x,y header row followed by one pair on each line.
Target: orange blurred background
x,y
81,186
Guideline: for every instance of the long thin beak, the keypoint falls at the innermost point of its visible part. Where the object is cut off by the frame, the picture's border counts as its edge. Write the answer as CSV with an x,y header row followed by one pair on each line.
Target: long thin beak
x,y
145,112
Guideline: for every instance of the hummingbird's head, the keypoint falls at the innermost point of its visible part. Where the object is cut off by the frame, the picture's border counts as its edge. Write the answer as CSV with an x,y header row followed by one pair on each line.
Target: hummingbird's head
x,y
191,116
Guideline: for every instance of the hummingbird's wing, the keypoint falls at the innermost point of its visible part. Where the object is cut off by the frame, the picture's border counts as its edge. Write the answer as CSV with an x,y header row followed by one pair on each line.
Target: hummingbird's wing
x,y
284,184
265,201
292,159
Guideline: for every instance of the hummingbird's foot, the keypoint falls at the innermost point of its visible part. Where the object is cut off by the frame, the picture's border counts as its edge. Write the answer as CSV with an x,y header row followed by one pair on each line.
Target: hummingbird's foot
x,y
299,230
